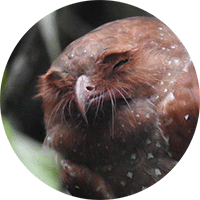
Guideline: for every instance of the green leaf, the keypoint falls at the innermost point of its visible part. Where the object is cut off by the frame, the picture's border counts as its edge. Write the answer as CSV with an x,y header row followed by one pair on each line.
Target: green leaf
x,y
41,162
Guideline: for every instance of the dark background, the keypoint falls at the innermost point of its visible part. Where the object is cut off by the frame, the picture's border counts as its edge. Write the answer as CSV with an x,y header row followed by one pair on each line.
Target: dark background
x,y
37,49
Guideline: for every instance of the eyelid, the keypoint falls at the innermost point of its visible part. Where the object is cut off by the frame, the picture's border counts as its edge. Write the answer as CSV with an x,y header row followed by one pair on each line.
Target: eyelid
x,y
113,57
121,62
56,75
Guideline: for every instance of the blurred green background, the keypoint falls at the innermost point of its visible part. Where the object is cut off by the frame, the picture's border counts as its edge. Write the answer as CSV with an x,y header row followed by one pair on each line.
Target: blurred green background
x,y
37,159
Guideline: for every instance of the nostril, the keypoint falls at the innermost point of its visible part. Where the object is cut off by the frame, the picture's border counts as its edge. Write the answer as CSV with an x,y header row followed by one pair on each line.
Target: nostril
x,y
90,88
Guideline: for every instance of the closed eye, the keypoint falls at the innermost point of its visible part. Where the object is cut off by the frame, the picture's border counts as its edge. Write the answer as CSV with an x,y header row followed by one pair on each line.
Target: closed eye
x,y
55,75
120,63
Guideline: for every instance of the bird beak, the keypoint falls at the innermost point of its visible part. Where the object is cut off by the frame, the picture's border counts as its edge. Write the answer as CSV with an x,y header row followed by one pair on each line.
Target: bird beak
x,y
84,90
87,95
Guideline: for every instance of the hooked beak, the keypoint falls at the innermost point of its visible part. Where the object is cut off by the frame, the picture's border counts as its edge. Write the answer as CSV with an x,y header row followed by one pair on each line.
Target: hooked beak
x,y
84,90
87,94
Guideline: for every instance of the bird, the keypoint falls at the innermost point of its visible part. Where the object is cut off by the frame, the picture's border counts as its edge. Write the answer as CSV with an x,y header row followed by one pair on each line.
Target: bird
x,y
121,105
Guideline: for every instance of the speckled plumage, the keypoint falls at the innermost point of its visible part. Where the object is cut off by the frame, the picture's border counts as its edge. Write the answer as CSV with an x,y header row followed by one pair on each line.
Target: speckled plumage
x,y
121,105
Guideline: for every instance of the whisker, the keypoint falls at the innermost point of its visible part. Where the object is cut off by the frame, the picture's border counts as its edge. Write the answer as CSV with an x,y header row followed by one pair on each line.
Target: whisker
x,y
60,106
114,97
63,114
102,102
129,96
98,105
87,108
123,95
113,113
67,104
143,80
55,110
69,108
78,124
124,99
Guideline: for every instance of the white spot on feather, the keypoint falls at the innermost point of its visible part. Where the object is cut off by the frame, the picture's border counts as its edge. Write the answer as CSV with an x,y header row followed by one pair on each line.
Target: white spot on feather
x,y
77,187
130,175
185,69
186,117
148,141
161,34
158,172
123,183
158,144
133,156
48,138
176,61
165,90
169,62
173,46
170,97
143,187
147,115
72,55
150,155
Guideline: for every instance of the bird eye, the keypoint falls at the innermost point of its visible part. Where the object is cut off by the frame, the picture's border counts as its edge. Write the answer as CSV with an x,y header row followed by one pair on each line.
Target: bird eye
x,y
120,63
55,76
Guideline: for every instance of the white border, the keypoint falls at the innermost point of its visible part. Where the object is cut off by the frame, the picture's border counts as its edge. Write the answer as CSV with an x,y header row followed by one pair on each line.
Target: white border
x,y
16,17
